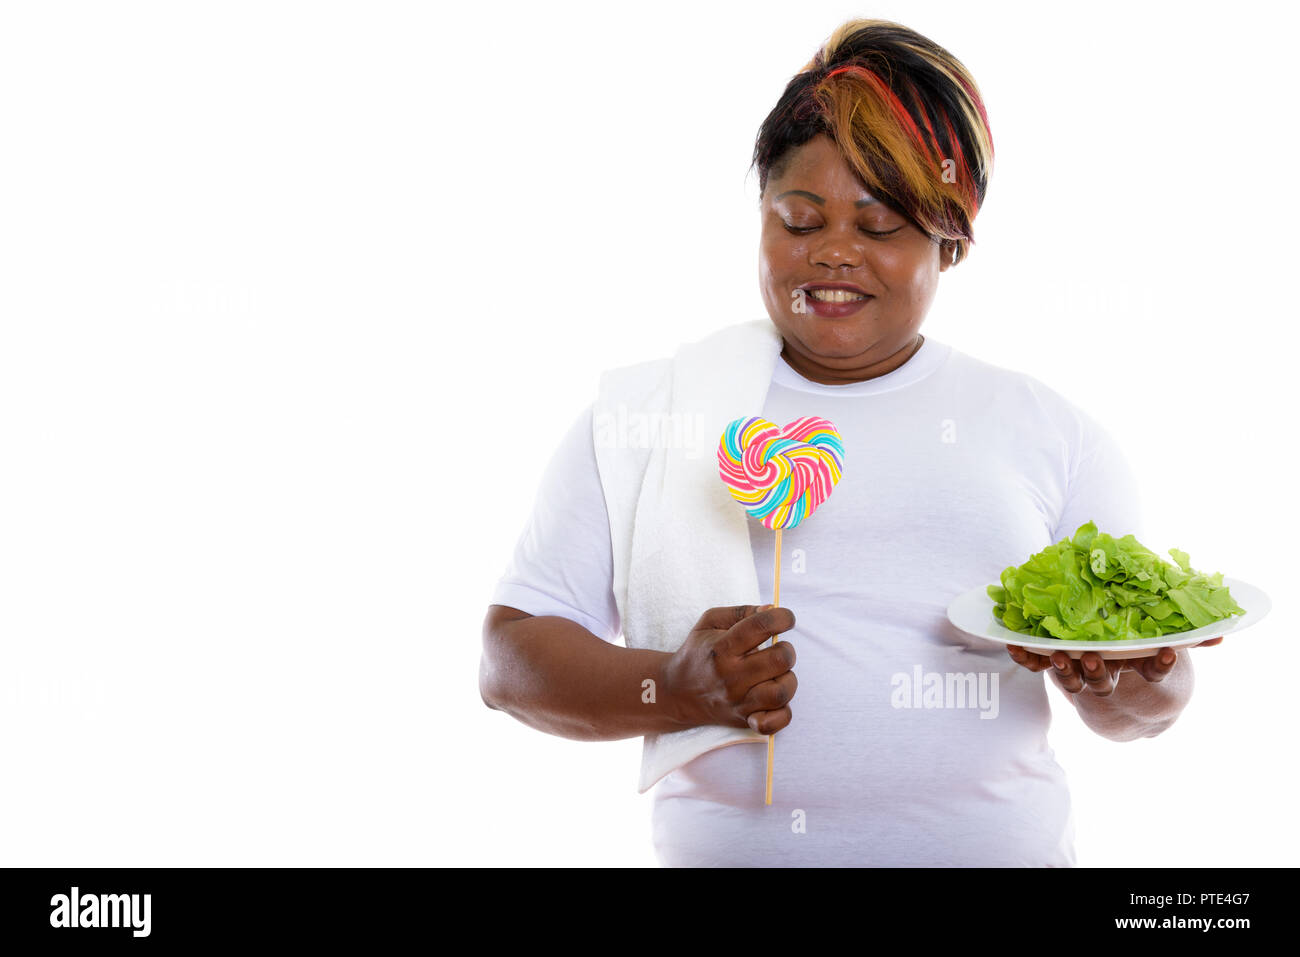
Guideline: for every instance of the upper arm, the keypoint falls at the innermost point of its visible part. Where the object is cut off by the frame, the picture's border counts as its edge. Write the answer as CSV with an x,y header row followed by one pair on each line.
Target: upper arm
x,y
1102,486
498,616
563,562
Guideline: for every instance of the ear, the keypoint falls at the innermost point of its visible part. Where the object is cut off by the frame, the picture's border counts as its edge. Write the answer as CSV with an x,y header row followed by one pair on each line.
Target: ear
x,y
947,253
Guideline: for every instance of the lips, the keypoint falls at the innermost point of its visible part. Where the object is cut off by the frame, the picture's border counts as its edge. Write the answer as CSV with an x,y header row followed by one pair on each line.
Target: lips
x,y
834,310
845,286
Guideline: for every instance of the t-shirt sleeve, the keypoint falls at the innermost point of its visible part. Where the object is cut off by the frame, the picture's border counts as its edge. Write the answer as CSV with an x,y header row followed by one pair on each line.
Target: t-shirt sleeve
x,y
563,563
1102,487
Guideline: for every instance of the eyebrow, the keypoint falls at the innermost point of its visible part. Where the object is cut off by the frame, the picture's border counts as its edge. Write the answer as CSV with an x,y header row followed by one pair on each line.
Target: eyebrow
x,y
821,202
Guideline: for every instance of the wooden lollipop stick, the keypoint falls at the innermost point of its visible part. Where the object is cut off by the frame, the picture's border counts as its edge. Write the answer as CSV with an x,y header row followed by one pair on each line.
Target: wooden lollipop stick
x,y
776,600
809,445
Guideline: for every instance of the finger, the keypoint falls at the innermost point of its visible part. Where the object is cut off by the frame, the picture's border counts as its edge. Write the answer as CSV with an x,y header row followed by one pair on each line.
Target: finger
x,y
723,617
1027,659
1099,678
1020,656
769,722
765,664
770,695
753,630
1209,644
1066,673
1155,667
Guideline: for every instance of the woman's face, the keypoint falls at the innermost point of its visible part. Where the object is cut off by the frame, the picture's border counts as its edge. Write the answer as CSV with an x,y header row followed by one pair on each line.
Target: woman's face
x,y
820,225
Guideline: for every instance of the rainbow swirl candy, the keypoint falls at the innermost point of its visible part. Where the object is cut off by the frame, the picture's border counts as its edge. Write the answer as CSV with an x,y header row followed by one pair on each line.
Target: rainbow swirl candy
x,y
781,474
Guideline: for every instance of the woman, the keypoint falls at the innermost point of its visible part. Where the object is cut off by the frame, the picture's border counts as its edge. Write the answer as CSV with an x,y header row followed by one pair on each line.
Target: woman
x,y
914,744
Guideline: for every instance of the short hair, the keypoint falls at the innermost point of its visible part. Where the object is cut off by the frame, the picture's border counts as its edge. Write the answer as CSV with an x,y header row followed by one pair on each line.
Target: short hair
x,y
905,114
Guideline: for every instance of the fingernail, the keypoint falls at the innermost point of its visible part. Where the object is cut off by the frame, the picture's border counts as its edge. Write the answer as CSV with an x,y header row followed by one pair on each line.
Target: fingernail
x,y
765,607
1167,658
1092,666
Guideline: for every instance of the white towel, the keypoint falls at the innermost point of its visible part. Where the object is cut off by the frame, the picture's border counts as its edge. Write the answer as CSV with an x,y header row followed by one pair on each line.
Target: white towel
x,y
680,541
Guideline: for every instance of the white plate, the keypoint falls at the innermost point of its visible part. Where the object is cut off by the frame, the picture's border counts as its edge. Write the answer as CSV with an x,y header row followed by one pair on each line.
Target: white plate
x,y
972,612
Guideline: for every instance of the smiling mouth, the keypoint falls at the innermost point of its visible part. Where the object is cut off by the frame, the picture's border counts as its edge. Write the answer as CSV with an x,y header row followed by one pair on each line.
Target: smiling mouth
x,y
835,295
834,303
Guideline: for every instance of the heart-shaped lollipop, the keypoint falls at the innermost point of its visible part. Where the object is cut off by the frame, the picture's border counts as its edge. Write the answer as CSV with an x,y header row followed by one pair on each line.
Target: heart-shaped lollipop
x,y
781,474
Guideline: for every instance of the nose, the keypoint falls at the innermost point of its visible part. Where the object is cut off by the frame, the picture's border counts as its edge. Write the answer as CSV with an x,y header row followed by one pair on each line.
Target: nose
x,y
836,248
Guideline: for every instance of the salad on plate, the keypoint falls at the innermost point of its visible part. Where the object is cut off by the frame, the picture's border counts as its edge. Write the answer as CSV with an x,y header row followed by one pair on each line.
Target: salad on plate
x,y
1094,587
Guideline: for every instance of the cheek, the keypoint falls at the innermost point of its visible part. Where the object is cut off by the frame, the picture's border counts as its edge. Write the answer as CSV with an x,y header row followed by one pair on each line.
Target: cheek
x,y
780,259
913,269
898,262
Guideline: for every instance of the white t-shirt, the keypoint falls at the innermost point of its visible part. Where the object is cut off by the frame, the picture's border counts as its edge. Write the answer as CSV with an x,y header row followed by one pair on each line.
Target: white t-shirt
x,y
911,743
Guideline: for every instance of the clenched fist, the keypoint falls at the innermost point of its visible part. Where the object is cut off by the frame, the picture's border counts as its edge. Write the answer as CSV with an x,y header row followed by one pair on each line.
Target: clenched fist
x,y
719,675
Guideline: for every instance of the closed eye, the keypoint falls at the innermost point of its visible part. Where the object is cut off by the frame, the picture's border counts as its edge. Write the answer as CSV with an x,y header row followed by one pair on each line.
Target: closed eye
x,y
799,230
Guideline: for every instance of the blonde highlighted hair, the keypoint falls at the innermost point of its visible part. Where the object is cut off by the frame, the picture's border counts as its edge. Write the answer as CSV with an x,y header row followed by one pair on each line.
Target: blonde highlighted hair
x,y
907,117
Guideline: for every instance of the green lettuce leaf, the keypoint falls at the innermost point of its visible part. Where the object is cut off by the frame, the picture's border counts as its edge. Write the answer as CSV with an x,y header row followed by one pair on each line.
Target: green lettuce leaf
x,y
1094,587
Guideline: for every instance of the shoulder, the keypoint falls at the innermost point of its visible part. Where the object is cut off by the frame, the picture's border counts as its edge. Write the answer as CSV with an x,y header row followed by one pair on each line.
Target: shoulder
x,y
641,382
638,378
1025,396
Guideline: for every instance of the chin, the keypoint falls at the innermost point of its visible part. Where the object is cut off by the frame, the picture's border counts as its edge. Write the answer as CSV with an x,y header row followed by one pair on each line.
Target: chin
x,y
834,338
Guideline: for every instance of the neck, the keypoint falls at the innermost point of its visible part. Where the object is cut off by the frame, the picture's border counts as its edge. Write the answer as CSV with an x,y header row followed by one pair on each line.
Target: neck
x,y
813,370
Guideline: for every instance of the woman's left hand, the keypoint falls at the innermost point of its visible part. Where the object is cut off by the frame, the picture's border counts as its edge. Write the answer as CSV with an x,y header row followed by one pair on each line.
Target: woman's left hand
x,y
1098,675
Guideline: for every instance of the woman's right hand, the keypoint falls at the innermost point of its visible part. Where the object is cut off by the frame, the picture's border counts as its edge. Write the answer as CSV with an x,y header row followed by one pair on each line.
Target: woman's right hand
x,y
718,677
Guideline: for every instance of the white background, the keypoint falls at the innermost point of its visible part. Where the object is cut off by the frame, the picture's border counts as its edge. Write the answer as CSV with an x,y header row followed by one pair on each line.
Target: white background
x,y
298,298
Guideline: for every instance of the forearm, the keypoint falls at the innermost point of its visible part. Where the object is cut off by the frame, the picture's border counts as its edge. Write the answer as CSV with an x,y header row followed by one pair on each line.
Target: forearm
x,y
1138,708
554,675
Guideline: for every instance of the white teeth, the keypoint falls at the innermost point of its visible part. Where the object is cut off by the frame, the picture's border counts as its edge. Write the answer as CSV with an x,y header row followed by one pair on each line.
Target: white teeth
x,y
834,295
